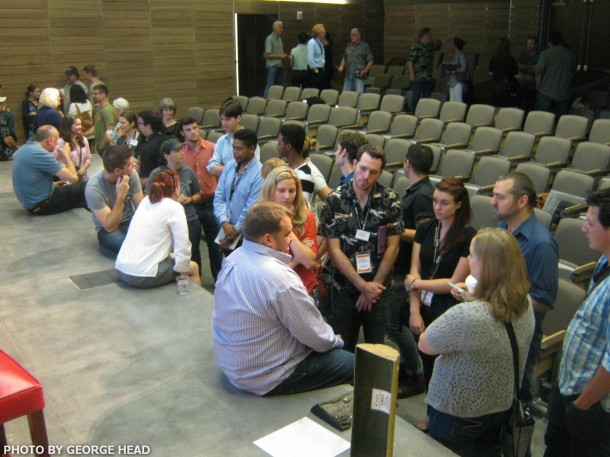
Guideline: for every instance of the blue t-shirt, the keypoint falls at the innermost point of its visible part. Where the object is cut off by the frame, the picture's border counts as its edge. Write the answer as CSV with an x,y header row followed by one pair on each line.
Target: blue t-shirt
x,y
33,171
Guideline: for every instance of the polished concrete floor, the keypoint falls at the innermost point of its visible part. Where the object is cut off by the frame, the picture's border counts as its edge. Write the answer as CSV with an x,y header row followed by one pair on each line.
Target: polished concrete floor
x,y
124,366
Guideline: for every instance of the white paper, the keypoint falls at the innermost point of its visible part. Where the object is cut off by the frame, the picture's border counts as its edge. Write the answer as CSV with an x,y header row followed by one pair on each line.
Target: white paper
x,y
303,438
381,400
221,235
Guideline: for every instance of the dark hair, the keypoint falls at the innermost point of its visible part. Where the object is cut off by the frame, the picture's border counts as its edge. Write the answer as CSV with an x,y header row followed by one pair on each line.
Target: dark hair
x,y
456,189
77,94
423,32
103,88
459,43
163,185
303,37
131,117
66,132
601,200
152,118
374,151
555,38
263,218
522,185
294,135
503,47
31,88
421,157
533,37
328,38
91,70
352,141
231,108
116,157
246,136
186,121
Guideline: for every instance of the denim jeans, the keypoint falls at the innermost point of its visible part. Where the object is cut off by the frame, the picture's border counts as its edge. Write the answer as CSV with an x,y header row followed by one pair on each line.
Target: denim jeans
x,y
347,320
575,432
275,77
113,241
319,370
472,436
399,333
528,385
456,93
195,239
210,226
421,89
546,103
355,84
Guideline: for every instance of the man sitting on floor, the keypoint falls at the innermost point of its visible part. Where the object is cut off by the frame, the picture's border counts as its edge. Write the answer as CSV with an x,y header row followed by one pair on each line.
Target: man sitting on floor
x,y
33,170
269,337
113,194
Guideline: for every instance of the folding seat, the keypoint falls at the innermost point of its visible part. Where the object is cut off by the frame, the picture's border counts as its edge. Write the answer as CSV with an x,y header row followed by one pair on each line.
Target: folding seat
x,y
348,98
317,115
403,126
573,182
256,105
292,93
485,141
367,103
429,131
243,100
275,92
554,152
486,173
457,163
392,104
440,96
480,115
455,136
296,111
275,108
330,96
591,158
379,84
395,153
268,129
518,146
427,108
335,177
400,185
327,137
574,250
309,92
571,127
196,112
395,70
343,116
400,85
214,135
587,113
509,119
539,123
482,212
378,122
453,112
600,132
323,162
269,151
569,298
385,178
250,121
538,173
211,119
375,140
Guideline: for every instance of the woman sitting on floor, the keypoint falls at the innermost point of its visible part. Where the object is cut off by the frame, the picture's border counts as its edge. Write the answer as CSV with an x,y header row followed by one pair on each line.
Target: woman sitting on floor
x,y
145,259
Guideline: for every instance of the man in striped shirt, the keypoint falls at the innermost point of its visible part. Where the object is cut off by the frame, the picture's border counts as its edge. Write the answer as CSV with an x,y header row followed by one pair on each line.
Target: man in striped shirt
x,y
269,337
579,411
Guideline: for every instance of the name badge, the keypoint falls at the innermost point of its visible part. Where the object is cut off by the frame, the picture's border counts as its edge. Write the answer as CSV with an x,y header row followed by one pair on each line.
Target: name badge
x,y
362,235
133,143
426,297
363,263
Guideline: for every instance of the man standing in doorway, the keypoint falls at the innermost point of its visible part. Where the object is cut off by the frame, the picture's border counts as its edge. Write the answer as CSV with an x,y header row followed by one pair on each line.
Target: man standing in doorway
x,y
421,59
527,73
274,57
315,56
357,61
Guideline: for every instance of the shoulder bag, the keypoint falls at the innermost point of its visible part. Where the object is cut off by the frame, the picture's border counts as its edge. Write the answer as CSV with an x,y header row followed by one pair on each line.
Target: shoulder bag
x,y
85,118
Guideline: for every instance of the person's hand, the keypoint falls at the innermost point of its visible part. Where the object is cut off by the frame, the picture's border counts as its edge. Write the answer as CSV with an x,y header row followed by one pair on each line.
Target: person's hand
x,y
230,230
65,150
184,199
416,323
372,290
82,172
340,69
122,186
363,304
409,280
225,245
363,73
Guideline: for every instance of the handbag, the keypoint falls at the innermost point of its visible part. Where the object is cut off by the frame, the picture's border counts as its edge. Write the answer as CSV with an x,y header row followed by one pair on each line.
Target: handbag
x,y
518,430
85,118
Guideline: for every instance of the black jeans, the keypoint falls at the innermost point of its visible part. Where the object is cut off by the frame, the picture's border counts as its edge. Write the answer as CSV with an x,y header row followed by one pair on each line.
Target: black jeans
x,y
210,226
62,199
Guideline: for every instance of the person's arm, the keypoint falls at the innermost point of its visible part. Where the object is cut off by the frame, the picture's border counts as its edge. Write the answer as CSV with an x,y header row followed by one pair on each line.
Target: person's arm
x,y
425,347
597,389
215,166
180,235
341,65
416,323
441,285
411,70
68,173
110,219
253,193
82,171
305,251
369,63
323,193
544,281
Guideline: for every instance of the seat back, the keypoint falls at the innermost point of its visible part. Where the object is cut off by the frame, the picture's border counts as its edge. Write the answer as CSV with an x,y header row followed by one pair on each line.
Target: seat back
x,y
569,299
330,96
296,111
396,151
375,140
400,185
538,173
376,70
250,121
309,92
552,149
456,162
368,102
382,81
429,130
379,122
600,132
385,178
403,125
327,137
319,113
275,108
453,112
211,118
323,162
485,138
214,135
196,112
480,115
348,98
275,92
342,115
591,156
572,244
539,123
572,127
243,101
268,128
518,144
482,212
256,105
292,93
400,83
269,151
395,70
489,169
573,182
456,133
392,103
427,108
509,119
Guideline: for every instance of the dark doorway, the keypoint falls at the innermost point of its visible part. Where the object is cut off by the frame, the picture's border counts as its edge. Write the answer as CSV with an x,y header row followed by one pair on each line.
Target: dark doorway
x,y
252,29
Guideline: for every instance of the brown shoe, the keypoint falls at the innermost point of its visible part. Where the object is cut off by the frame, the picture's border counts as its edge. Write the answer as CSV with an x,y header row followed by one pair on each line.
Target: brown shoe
x,y
414,385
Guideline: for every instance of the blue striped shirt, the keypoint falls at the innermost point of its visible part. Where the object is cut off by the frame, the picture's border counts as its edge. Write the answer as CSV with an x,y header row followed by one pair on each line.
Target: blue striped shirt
x,y
587,343
264,322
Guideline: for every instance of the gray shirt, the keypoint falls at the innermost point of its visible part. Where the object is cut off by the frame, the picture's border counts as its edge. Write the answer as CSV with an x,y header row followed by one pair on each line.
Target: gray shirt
x,y
557,66
99,193
273,45
474,374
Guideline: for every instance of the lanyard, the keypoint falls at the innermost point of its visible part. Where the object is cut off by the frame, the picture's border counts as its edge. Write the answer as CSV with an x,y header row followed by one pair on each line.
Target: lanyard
x,y
366,216
236,179
438,256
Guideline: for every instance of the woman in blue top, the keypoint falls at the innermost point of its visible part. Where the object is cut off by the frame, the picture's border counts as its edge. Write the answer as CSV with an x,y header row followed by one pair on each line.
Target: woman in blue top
x,y
47,109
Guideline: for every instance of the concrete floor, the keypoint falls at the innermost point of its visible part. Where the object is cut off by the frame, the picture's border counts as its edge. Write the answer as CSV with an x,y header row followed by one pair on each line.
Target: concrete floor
x,y
126,366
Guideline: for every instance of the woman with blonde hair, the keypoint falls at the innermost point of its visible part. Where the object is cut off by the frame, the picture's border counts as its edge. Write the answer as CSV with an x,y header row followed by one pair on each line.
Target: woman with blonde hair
x,y
283,186
47,114
472,387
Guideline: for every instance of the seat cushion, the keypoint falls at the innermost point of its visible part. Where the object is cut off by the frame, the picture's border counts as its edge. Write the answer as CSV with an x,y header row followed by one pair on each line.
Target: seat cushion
x,y
20,392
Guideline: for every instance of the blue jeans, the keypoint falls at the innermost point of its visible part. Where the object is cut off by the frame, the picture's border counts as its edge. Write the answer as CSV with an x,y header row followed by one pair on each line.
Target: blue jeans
x,y
420,89
400,333
354,84
195,238
347,320
528,385
113,241
275,77
472,436
319,370
575,432
210,226
546,103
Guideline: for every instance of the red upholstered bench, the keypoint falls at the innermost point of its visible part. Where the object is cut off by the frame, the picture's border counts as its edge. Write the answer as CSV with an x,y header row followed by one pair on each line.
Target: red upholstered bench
x,y
21,395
